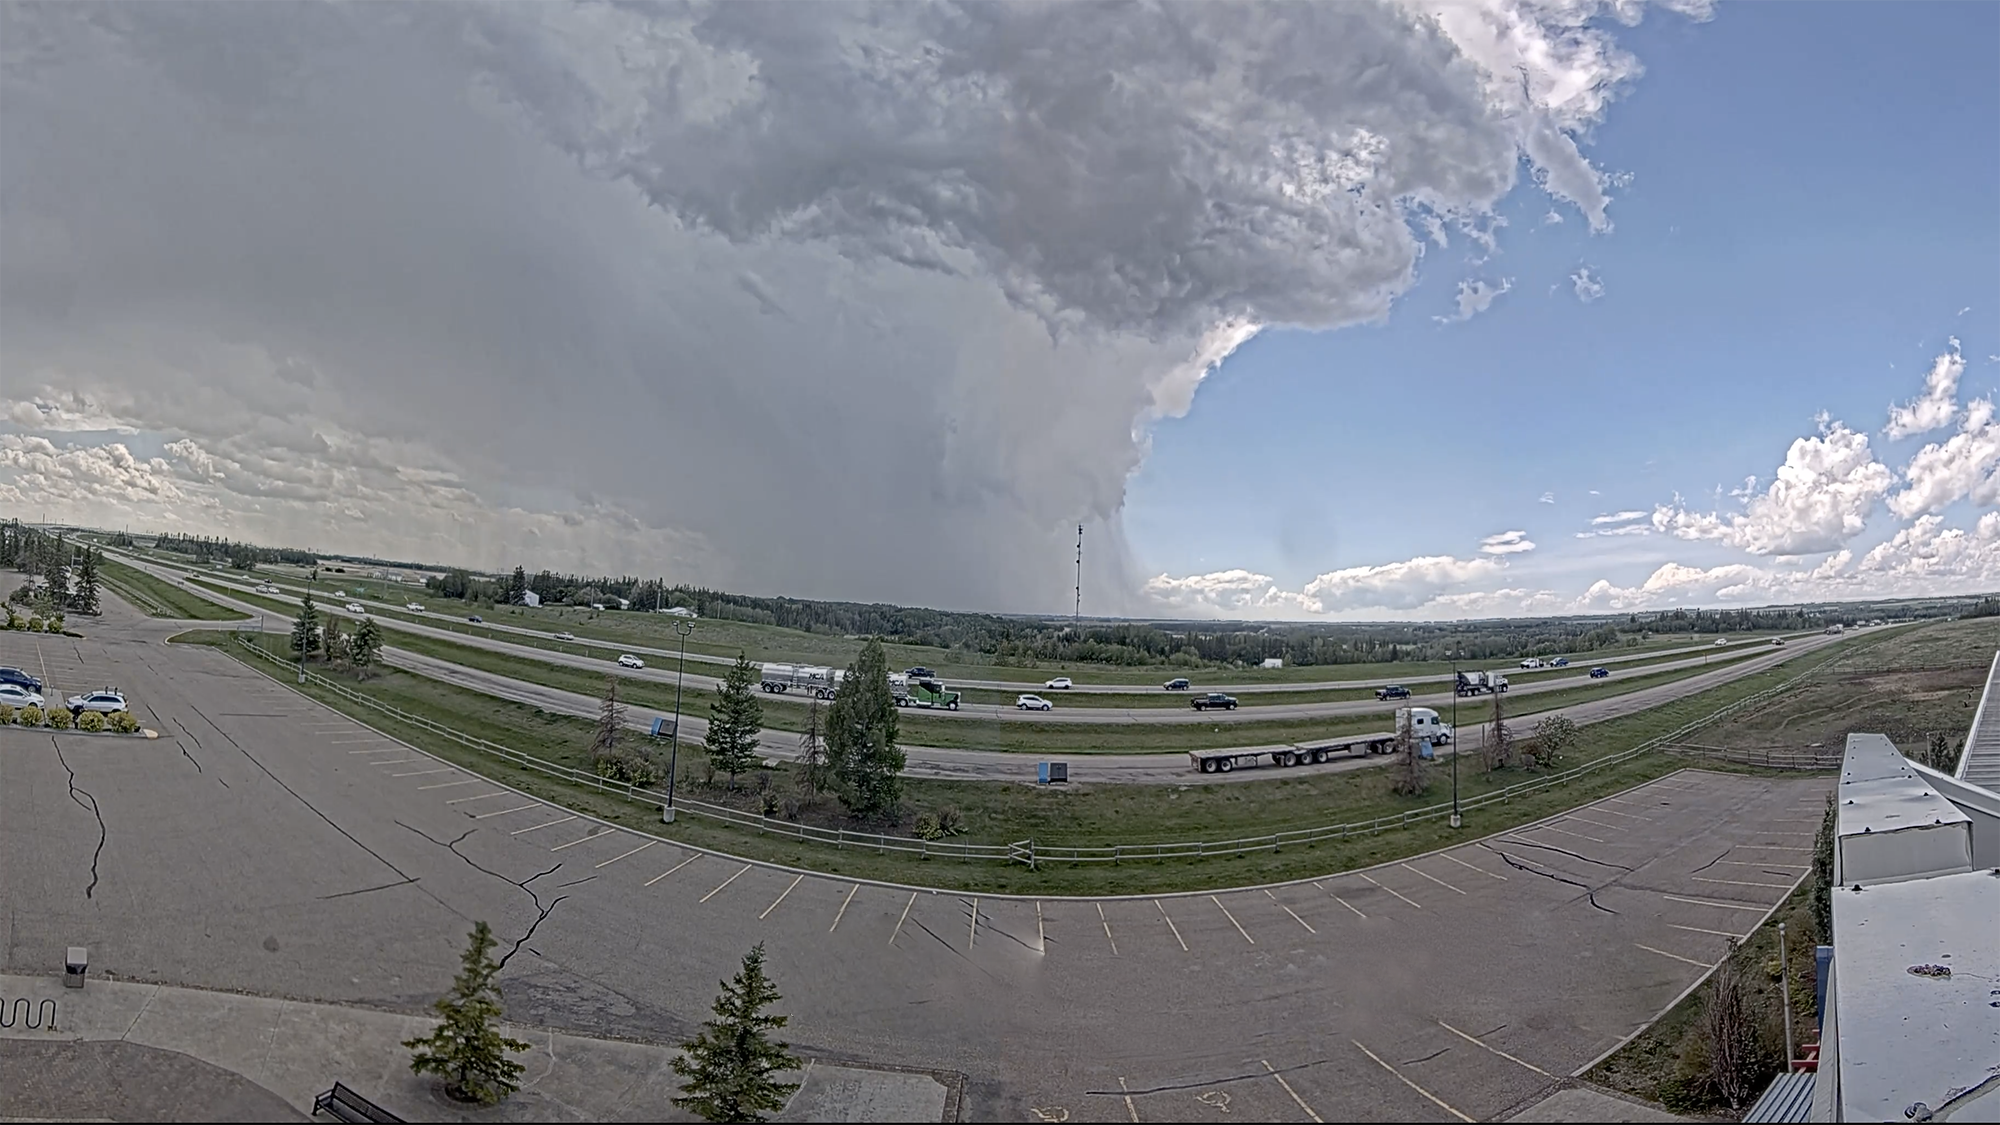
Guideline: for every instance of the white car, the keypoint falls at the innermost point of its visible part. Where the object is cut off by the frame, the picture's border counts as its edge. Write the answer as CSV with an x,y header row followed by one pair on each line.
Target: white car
x,y
630,661
355,607
17,696
413,607
1060,683
1722,640
267,589
106,701
1034,703
1530,664
565,636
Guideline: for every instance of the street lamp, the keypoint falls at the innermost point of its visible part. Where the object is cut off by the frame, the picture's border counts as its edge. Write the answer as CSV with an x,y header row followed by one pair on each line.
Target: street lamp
x,y
310,579
674,756
1455,743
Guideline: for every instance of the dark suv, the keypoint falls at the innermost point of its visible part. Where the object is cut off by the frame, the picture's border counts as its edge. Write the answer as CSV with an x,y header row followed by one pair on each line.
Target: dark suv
x,y
1393,691
1178,684
920,673
16,676
1215,699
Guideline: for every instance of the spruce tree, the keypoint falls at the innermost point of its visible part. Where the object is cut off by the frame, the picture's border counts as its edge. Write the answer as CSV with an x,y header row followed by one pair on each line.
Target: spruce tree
x,y
734,720
729,1068
861,746
610,720
85,598
305,627
466,1049
366,643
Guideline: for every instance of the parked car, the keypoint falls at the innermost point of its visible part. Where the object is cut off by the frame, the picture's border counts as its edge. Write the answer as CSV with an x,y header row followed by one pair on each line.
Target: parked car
x,y
106,701
16,676
1179,683
1599,673
920,673
476,619
356,607
1215,700
630,661
1034,703
1393,691
1060,683
565,636
18,696
1560,662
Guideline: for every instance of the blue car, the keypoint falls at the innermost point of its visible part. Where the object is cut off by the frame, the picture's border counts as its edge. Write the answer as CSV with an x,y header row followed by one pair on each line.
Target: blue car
x,y
1599,673
16,676
1561,662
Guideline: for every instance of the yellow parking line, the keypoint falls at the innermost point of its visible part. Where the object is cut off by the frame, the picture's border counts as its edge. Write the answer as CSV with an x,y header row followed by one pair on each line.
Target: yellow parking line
x,y
674,868
1477,1041
724,883
1675,956
796,880
544,824
449,784
898,931
592,836
504,812
843,908
634,851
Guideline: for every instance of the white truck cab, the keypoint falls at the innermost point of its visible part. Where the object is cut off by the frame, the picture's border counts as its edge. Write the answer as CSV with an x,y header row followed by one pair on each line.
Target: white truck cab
x,y
1422,722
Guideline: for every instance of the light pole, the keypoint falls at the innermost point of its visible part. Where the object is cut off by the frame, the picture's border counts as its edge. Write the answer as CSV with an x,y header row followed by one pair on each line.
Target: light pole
x,y
1455,743
684,628
310,579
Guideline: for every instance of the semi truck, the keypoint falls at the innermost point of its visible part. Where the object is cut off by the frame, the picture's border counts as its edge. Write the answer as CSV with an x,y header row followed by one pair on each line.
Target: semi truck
x,y
928,693
1421,722
1479,683
821,682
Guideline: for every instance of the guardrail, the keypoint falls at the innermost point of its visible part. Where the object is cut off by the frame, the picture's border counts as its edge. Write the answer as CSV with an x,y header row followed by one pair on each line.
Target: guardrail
x,y
1027,851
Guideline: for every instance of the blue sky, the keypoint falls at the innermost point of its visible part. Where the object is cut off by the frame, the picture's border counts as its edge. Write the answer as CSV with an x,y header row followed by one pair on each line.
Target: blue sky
x,y
1814,196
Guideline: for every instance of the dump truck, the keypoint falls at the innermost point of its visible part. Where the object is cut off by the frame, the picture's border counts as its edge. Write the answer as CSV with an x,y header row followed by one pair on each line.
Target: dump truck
x,y
1479,683
1421,722
929,693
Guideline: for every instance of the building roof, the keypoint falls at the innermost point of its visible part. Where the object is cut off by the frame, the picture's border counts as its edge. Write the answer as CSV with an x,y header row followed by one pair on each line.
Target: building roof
x,y
1789,1097
1893,822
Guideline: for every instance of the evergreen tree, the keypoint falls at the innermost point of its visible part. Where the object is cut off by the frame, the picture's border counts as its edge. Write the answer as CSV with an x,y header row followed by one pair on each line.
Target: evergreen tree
x,y
367,642
610,720
861,746
734,720
517,584
466,1049
305,627
332,644
85,598
729,1068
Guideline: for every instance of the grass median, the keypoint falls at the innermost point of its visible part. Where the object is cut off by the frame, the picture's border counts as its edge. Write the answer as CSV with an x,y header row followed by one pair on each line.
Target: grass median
x,y
156,597
1080,816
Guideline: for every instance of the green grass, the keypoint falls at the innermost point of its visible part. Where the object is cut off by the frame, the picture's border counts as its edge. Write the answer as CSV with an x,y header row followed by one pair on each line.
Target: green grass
x,y
156,597
1080,815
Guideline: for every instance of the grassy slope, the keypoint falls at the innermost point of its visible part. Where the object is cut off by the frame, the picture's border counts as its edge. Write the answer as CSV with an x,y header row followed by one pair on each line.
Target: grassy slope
x,y
157,598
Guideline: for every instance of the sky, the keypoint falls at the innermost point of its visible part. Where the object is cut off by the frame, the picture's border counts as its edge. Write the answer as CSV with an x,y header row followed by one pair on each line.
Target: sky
x,y
1394,310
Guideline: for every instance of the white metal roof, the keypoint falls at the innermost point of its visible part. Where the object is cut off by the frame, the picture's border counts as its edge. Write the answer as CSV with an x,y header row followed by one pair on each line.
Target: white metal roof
x,y
1893,823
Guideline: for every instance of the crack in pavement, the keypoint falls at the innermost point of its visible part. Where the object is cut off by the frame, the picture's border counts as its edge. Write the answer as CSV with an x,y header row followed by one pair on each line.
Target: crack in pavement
x,y
1713,862
365,890
1588,891
541,912
1426,1058
1571,854
103,834
183,749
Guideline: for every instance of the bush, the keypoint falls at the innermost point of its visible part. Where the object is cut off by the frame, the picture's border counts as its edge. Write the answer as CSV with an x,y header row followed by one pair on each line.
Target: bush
x,y
6,714
927,827
123,722
34,623
90,721
29,716
770,803
628,767
53,624
58,718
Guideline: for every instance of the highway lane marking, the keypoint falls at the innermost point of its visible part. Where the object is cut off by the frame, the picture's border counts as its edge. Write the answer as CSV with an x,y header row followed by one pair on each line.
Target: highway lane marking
x,y
422,773
1675,956
906,917
724,883
544,824
674,868
1296,918
781,897
591,836
1470,867
1107,928
1743,883
1440,1102
1479,1042
1707,902
1598,823
972,929
450,784
1288,1089
842,913
1551,828
504,812
1232,920
1341,901
1392,891
1699,930
1170,925
1127,1090
1432,878
634,851
481,797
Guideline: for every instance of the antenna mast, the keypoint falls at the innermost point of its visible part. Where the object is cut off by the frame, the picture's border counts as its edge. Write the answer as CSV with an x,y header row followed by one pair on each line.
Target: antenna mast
x,y
1076,617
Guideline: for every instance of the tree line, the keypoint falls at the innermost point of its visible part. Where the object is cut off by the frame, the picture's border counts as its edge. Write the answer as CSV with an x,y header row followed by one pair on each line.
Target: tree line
x,y
63,576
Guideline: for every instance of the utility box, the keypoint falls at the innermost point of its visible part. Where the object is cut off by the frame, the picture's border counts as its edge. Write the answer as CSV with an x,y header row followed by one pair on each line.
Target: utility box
x,y
1048,772
663,727
75,965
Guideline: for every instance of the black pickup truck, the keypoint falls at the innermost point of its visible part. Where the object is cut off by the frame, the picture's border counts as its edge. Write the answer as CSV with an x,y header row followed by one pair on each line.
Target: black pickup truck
x,y
1215,699
1393,691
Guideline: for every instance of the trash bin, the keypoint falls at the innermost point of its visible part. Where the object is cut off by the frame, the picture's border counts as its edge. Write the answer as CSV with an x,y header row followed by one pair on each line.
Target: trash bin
x,y
75,965
1047,772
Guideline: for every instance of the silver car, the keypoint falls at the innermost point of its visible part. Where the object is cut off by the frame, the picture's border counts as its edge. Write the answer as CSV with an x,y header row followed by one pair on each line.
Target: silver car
x,y
17,696
106,702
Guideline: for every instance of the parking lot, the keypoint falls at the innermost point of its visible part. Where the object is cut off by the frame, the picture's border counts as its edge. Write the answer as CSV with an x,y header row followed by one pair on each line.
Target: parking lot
x,y
266,844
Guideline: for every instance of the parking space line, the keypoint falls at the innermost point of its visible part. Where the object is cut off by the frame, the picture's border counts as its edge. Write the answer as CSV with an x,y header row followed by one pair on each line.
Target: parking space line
x,y
450,784
591,836
1775,847
1742,883
383,750
397,762
1723,905
1340,900
1041,935
674,868
1432,878
1699,930
1598,823
351,741
544,824
1131,1109
1288,1089
481,797
1440,1102
1392,891
1552,828
1170,925
1470,867
1762,863
906,917
796,880
972,928
1107,928
842,912
634,851
1232,920
504,812
1294,914
1675,956
1615,812
724,883
422,773
1476,1041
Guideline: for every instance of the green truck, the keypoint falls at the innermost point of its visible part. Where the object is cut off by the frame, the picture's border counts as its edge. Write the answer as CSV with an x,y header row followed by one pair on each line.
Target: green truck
x,y
929,693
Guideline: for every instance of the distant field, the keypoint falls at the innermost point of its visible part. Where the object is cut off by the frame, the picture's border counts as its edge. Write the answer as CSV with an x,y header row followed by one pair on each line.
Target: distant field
x,y
157,598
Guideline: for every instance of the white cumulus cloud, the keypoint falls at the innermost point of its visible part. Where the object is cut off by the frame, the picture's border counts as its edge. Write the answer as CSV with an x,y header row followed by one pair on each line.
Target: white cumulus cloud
x,y
1939,402
1587,285
1965,464
1506,543
1475,297
1820,498
1626,516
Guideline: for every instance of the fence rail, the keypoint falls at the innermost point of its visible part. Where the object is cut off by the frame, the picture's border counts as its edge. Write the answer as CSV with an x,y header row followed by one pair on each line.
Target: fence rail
x,y
1029,852
1823,758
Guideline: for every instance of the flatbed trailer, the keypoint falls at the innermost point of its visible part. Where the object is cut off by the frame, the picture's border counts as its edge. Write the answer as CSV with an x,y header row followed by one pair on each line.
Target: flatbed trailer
x,y
1426,726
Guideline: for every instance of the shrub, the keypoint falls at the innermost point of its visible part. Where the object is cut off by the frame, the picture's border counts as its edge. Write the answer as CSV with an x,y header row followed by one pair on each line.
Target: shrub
x,y
769,803
6,714
53,624
29,716
629,767
123,722
34,623
927,827
58,718
90,721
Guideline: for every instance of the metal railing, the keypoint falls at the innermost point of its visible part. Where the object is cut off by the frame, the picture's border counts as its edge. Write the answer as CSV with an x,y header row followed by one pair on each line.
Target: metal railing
x,y
1821,758
1027,851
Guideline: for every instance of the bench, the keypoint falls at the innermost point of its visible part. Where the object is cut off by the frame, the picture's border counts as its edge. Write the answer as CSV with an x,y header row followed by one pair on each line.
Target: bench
x,y
344,1104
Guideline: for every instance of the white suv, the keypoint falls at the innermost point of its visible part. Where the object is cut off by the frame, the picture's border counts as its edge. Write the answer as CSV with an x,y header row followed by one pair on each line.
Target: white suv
x,y
630,661
1034,703
1060,683
106,702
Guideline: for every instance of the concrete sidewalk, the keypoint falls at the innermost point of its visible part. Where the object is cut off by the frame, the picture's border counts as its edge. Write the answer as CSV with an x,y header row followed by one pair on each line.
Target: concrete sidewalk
x,y
123,1051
